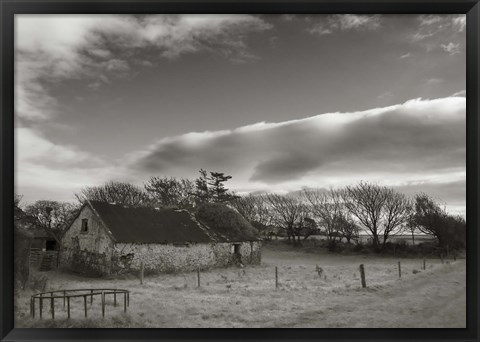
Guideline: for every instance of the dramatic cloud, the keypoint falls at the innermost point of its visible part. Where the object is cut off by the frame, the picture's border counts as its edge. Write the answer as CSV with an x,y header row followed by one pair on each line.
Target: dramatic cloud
x,y
346,22
53,171
51,48
417,141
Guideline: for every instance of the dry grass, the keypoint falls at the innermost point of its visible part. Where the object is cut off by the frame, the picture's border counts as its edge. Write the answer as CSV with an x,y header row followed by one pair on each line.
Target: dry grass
x,y
247,297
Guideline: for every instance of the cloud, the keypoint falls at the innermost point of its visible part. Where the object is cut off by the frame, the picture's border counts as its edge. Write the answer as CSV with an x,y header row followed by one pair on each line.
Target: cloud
x,y
52,48
346,22
417,141
434,81
435,29
459,23
48,170
451,48
385,95
462,93
427,20
407,55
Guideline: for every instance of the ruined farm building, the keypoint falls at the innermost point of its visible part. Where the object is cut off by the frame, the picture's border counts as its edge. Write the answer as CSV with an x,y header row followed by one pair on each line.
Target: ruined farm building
x,y
110,239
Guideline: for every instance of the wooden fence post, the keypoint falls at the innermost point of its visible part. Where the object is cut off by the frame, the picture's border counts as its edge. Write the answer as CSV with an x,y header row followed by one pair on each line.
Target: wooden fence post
x,y
141,272
85,304
198,277
399,270
276,277
362,275
64,299
124,302
52,306
91,297
103,304
32,306
114,297
68,307
41,304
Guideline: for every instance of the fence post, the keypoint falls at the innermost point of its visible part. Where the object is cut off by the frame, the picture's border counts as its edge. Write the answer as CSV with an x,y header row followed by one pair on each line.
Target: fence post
x,y
32,306
52,306
103,303
85,304
114,297
362,275
64,299
68,307
41,304
424,264
198,277
91,297
141,272
124,302
276,277
399,270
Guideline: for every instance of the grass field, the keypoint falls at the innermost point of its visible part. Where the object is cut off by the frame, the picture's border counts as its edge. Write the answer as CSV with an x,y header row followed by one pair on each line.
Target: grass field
x,y
247,297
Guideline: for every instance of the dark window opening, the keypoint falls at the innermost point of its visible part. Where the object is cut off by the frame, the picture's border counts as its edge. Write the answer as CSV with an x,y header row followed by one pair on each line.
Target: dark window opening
x,y
236,249
50,245
84,225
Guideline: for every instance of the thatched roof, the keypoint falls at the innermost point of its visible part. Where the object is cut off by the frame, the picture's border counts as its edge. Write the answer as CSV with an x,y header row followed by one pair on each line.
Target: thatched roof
x,y
227,223
149,225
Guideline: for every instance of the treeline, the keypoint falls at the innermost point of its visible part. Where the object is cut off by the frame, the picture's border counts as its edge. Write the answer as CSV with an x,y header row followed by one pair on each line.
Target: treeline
x,y
340,214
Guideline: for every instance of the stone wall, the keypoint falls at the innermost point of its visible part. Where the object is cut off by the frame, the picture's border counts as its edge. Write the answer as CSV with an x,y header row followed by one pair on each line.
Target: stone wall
x,y
94,253
159,258
86,252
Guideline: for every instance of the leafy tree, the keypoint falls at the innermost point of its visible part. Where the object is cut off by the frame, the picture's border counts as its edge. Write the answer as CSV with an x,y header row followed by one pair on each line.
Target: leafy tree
x,y
212,188
54,217
202,193
219,193
115,192
431,219
171,192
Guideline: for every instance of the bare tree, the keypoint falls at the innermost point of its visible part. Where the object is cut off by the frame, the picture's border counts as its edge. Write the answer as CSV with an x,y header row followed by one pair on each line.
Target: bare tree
x,y
397,211
329,210
115,192
379,209
288,212
253,208
54,217
171,192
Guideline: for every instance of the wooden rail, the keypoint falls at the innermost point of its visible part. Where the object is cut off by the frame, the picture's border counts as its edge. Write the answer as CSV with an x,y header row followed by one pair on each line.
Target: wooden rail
x,y
77,293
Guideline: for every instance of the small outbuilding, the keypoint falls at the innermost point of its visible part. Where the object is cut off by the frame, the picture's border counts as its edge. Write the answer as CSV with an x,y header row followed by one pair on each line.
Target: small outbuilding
x,y
110,239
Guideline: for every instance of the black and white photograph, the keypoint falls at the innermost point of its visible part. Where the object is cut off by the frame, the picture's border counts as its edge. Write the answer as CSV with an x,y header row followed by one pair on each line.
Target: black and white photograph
x,y
240,171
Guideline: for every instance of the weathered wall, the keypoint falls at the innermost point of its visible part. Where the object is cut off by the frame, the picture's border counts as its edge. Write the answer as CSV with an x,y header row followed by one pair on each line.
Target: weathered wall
x,y
86,252
94,253
159,258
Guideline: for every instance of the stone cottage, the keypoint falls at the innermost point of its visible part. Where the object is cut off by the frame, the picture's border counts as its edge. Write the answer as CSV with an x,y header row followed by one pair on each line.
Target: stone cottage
x,y
110,239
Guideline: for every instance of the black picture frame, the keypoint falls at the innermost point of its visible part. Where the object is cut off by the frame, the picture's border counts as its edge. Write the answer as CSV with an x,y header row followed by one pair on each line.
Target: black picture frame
x,y
11,7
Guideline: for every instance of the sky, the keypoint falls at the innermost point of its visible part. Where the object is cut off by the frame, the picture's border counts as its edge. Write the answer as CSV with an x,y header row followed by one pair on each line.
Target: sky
x,y
280,102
